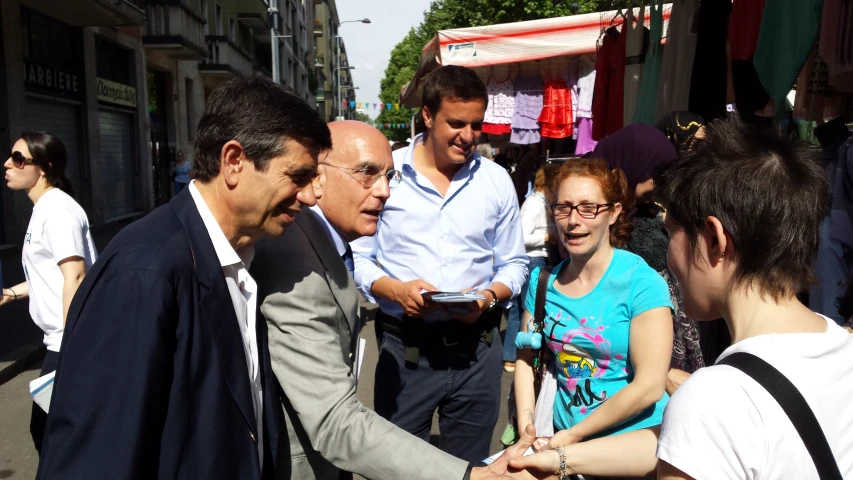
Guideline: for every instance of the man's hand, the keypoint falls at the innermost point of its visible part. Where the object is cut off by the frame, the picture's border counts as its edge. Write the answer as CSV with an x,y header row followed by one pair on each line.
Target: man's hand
x,y
500,468
408,295
474,309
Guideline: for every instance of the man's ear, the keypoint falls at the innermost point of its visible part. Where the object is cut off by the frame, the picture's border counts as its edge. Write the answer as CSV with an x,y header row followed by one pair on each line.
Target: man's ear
x,y
319,182
427,115
232,162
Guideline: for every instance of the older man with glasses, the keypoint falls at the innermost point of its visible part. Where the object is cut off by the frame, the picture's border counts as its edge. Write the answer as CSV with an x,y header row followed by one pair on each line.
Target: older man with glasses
x,y
310,302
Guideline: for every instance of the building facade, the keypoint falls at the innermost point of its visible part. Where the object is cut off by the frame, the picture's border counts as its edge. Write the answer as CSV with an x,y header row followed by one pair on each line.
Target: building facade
x,y
77,69
123,84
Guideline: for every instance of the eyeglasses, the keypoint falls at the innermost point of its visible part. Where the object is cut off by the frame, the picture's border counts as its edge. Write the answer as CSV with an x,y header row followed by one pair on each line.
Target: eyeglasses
x,y
18,159
368,175
585,210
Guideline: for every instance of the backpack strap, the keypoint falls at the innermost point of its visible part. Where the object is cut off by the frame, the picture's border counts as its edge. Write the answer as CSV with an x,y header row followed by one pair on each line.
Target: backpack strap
x,y
794,406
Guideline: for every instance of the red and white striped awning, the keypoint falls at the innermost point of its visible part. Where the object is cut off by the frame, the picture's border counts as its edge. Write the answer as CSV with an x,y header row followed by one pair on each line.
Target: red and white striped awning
x,y
512,42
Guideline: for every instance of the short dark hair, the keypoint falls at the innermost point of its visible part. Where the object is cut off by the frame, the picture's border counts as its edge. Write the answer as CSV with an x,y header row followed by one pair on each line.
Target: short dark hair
x,y
50,155
453,82
768,192
259,114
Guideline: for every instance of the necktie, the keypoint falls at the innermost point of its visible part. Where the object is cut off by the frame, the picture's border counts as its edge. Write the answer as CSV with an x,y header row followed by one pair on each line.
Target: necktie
x,y
347,258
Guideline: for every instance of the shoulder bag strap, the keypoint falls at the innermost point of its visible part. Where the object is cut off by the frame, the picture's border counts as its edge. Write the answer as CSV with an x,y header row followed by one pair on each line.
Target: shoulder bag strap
x,y
541,291
539,359
794,405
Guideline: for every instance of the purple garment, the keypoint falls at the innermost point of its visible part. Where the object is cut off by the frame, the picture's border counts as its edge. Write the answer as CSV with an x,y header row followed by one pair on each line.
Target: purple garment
x,y
638,149
585,142
528,103
523,136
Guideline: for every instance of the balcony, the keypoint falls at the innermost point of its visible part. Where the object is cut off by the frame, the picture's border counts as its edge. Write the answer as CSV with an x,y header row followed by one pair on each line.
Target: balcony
x,y
177,31
318,29
224,61
91,13
258,23
320,95
319,61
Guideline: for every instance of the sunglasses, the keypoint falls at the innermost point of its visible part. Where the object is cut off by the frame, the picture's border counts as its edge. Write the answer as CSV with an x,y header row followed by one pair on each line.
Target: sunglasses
x,y
19,160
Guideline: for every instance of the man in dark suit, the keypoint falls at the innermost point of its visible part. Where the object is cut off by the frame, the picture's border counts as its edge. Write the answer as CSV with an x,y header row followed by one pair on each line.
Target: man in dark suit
x,y
163,373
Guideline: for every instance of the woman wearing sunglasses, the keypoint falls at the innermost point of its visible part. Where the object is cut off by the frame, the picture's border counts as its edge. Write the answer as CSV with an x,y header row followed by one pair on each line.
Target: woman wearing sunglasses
x,y
607,316
58,247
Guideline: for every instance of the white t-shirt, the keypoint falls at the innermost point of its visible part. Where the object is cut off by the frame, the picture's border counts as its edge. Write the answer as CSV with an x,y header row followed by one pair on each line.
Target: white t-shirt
x,y
720,424
58,229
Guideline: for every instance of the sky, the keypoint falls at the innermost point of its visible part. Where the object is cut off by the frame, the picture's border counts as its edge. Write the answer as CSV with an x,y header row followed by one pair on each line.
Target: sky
x,y
369,45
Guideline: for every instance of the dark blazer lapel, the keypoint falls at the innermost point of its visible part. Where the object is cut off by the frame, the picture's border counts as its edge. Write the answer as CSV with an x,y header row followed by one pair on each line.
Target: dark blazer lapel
x,y
340,281
216,306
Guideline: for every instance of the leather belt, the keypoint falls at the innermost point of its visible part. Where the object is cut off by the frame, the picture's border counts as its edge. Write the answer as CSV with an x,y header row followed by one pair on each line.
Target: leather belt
x,y
415,331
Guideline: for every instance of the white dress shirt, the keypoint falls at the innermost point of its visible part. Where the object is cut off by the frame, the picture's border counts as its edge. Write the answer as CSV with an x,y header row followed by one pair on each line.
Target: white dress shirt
x,y
468,238
244,296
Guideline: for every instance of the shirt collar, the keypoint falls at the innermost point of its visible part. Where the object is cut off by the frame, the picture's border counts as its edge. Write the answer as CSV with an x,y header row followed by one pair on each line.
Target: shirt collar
x,y
224,251
331,231
409,157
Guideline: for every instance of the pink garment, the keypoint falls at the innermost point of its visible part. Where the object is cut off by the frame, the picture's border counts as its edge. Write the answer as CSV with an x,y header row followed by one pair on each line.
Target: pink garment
x,y
585,142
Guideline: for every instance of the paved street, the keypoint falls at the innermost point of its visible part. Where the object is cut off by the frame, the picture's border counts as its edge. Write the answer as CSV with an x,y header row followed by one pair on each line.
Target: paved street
x,y
18,457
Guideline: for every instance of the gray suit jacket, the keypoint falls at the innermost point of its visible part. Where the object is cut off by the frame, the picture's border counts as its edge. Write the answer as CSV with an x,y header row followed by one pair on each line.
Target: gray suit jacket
x,y
310,304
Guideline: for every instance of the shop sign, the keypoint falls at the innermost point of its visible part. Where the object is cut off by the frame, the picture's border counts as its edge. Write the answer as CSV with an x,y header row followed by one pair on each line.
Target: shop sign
x,y
462,50
117,93
51,78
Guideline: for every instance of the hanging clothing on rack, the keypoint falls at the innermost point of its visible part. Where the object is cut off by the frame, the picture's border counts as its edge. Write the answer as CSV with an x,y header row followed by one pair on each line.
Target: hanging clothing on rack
x,y
556,116
634,56
607,104
744,28
836,42
709,80
816,99
501,107
677,64
585,143
788,32
586,87
571,77
528,106
750,95
646,111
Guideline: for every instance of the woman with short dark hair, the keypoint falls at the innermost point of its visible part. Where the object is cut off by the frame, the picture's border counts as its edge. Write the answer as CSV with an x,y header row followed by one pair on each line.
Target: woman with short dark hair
x,y
58,247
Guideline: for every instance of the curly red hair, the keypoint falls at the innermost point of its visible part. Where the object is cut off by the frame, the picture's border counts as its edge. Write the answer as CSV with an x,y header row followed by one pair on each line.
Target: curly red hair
x,y
614,186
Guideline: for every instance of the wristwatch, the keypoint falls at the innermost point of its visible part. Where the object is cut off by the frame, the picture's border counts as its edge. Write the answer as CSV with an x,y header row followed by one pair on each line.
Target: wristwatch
x,y
494,301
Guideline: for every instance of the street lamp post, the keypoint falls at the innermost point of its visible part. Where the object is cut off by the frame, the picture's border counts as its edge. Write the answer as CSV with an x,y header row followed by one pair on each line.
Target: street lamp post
x,y
337,78
338,59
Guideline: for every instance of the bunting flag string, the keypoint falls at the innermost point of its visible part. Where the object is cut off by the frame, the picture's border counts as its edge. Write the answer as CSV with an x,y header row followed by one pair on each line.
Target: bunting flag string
x,y
352,105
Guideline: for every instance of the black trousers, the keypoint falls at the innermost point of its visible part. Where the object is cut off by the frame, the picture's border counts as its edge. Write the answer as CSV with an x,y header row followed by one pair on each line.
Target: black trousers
x,y
38,419
462,381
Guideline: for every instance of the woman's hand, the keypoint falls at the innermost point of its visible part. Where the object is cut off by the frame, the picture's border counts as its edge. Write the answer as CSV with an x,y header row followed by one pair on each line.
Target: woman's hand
x,y
8,296
674,379
563,438
540,465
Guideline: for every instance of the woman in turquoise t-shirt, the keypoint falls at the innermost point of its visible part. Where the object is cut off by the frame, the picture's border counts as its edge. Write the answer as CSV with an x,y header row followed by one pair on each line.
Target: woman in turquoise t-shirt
x,y
607,319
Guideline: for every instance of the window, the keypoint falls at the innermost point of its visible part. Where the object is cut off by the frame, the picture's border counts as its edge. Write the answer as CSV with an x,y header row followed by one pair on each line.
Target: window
x,y
231,33
189,94
218,19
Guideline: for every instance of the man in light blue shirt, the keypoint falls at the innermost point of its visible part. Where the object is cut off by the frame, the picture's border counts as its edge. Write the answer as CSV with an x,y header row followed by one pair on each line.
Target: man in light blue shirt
x,y
452,225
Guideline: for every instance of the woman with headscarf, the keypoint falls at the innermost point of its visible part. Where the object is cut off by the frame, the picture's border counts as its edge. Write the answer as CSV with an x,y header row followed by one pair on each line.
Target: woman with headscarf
x,y
681,128
639,150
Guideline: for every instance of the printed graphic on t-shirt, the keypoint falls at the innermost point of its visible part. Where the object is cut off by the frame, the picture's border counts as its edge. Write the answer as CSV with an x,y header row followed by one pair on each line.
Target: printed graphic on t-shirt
x,y
582,354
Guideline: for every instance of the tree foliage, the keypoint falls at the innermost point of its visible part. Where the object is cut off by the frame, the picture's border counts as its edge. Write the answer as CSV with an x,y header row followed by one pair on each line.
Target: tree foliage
x,y
449,14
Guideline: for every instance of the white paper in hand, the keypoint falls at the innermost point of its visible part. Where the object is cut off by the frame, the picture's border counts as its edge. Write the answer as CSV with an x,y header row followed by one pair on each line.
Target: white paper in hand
x,y
494,457
41,390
